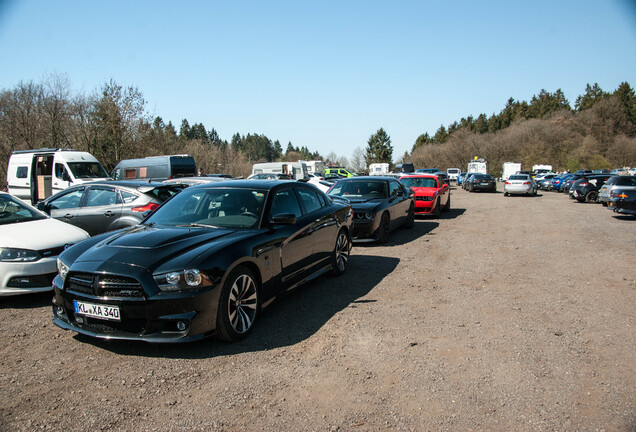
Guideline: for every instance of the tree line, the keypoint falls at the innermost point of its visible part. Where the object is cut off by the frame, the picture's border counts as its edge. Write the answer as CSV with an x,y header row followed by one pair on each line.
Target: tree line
x,y
598,133
112,123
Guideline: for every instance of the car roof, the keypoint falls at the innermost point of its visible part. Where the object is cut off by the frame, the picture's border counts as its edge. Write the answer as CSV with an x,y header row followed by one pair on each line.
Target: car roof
x,y
125,183
419,175
252,184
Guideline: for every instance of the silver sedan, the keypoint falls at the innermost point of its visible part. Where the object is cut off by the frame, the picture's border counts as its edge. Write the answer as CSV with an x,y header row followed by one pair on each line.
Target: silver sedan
x,y
520,184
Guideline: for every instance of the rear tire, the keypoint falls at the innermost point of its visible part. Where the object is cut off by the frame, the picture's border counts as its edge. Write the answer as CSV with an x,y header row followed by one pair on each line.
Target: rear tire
x,y
591,196
341,252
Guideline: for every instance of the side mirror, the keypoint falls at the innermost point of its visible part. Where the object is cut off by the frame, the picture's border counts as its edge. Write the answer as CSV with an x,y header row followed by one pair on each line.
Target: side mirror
x,y
283,219
43,207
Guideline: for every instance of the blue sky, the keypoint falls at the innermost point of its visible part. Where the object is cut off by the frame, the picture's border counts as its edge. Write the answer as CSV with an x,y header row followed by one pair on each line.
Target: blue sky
x,y
326,74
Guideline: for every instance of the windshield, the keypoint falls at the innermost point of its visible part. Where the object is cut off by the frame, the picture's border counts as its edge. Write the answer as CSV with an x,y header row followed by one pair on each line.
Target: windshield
x,y
419,182
87,170
12,210
213,207
360,189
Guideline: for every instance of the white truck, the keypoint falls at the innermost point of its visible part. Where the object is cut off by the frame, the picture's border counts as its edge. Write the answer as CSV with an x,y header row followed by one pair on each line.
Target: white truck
x,y
509,168
477,166
378,169
538,169
34,175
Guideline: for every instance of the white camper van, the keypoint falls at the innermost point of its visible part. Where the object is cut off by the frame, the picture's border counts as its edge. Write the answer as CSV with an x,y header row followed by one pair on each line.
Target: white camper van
x,y
314,167
34,175
508,169
378,169
297,170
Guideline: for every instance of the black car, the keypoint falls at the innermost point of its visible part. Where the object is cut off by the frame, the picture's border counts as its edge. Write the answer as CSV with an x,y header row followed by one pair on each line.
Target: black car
x,y
623,201
98,207
567,183
380,205
202,264
481,182
586,189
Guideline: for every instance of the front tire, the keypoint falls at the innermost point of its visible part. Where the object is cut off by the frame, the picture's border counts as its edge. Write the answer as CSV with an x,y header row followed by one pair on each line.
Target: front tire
x,y
239,305
341,252
447,207
591,196
437,208
383,230
410,218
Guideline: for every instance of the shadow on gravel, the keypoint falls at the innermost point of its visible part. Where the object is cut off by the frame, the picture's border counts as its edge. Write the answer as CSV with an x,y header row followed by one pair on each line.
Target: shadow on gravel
x,y
288,321
624,217
27,301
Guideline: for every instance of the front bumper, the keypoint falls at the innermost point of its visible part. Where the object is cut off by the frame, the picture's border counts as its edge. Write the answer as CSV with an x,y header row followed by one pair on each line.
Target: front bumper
x,y
518,189
145,315
27,277
365,230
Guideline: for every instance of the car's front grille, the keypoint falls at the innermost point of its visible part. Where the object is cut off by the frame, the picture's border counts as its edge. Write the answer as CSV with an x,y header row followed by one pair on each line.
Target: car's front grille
x,y
53,252
136,326
104,285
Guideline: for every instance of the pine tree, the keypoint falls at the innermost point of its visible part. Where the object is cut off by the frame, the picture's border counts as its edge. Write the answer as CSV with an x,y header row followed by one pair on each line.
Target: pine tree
x,y
379,148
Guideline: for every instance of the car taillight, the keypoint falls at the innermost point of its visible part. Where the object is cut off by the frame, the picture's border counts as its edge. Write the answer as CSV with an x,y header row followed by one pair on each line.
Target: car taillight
x,y
508,182
526,183
583,184
147,207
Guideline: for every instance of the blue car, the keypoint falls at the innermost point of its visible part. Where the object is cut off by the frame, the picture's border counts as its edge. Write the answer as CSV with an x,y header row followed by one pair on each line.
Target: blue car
x,y
461,177
427,171
558,181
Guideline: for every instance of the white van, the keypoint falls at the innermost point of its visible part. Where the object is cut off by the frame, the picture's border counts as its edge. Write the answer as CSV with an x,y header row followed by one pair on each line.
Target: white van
x,y
378,169
297,170
34,175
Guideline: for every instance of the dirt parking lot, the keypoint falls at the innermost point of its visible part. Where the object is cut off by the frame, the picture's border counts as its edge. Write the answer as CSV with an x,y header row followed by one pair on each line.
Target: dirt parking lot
x,y
508,313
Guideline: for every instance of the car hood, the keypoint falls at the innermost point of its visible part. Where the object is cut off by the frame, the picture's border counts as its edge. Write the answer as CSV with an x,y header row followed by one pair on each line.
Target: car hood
x,y
424,191
366,205
40,234
149,247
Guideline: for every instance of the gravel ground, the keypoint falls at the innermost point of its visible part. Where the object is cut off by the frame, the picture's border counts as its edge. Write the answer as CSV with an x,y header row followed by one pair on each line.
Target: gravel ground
x,y
508,313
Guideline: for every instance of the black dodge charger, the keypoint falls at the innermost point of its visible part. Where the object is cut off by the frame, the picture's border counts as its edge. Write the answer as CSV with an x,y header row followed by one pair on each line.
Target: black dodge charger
x,y
202,264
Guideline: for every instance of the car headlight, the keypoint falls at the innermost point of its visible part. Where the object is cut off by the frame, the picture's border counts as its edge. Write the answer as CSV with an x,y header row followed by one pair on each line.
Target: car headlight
x,y
182,280
18,255
62,268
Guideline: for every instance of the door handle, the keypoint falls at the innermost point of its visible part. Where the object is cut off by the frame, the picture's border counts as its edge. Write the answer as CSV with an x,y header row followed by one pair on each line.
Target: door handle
x,y
68,216
108,213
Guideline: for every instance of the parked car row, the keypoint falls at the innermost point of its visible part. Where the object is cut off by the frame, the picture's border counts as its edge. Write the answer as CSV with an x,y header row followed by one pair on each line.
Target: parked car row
x,y
193,257
609,189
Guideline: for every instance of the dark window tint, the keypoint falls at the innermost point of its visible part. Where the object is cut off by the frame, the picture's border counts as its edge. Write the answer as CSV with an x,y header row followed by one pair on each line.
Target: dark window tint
x,y
310,199
22,172
183,167
285,202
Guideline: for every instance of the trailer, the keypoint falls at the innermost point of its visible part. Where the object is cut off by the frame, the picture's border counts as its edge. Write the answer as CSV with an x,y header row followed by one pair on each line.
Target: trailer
x,y
509,168
477,165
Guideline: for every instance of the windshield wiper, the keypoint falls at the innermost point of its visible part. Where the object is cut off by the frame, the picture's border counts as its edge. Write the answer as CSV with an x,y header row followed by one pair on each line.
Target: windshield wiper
x,y
197,225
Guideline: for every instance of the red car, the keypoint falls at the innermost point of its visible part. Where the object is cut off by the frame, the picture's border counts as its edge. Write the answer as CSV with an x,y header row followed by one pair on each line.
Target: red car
x,y
432,194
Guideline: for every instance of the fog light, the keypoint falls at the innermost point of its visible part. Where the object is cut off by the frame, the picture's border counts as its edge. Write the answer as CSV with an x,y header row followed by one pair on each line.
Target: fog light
x,y
59,310
181,325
